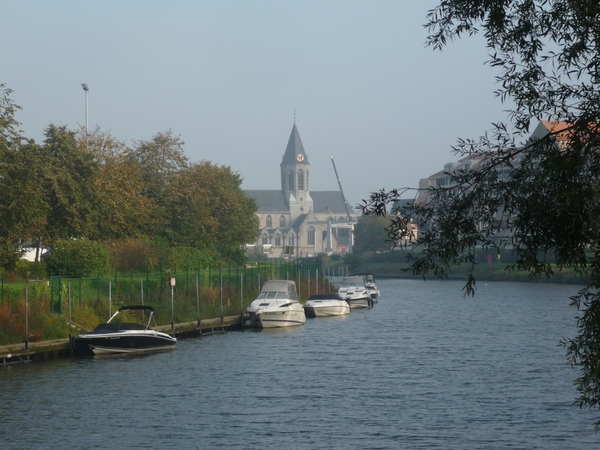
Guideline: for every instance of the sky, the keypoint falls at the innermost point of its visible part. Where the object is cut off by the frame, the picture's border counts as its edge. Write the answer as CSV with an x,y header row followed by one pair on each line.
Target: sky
x,y
231,77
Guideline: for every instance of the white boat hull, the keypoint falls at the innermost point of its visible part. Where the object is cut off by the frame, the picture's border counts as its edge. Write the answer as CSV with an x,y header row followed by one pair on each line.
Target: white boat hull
x,y
277,319
324,309
360,302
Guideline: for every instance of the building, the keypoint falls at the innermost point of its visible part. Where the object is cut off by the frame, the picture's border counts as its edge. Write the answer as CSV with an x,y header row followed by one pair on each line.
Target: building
x,y
295,221
443,178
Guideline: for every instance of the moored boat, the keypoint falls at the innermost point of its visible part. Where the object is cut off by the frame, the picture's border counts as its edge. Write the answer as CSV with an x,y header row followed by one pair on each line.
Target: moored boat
x,y
277,306
125,337
354,291
371,286
326,305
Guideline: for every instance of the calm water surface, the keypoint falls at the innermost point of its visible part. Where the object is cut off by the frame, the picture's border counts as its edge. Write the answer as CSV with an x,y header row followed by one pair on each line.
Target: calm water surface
x,y
424,369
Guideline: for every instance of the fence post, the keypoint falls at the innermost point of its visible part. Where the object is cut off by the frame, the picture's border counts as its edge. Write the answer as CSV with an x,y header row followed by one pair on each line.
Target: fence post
x,y
242,301
198,303
70,338
27,316
221,283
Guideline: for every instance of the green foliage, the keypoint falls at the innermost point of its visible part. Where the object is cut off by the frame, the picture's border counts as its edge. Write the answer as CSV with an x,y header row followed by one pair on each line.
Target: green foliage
x,y
188,258
78,258
370,234
537,195
134,255
28,269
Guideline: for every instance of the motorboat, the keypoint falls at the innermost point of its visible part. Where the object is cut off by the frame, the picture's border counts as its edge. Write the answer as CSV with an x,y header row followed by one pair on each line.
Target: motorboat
x,y
276,306
125,337
326,305
354,291
371,286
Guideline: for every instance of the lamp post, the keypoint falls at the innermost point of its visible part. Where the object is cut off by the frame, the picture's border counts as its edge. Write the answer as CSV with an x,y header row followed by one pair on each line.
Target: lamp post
x,y
86,89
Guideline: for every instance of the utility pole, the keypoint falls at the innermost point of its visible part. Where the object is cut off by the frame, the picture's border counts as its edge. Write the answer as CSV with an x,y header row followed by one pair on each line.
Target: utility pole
x,y
86,89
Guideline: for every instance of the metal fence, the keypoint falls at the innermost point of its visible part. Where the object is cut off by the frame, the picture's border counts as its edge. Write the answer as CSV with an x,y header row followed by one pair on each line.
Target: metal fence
x,y
177,297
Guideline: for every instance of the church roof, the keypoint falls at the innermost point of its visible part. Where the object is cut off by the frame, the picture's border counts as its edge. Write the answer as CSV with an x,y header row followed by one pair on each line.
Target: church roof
x,y
294,148
323,201
269,200
329,201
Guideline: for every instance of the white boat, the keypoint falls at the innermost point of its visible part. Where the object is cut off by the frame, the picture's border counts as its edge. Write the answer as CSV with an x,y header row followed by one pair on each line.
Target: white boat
x,y
354,291
277,306
326,305
125,337
371,286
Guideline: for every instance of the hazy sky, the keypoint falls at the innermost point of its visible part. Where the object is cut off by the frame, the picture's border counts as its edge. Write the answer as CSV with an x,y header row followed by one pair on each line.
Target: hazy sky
x,y
227,77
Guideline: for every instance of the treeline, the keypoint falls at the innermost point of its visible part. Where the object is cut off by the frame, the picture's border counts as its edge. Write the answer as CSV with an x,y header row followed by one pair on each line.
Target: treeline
x,y
101,204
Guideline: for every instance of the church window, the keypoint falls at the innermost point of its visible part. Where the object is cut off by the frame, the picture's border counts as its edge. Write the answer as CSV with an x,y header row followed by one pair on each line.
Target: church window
x,y
282,222
265,239
291,240
300,180
278,240
269,222
291,181
311,236
307,179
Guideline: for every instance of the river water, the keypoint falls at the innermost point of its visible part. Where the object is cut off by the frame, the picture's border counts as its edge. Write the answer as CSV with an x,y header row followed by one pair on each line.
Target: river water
x,y
425,368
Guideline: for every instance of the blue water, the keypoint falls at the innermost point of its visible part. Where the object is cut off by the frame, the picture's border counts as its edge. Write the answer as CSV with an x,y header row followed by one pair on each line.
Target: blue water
x,y
424,369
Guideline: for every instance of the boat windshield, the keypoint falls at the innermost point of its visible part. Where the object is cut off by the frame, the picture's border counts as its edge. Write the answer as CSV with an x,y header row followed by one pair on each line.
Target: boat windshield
x,y
273,295
352,285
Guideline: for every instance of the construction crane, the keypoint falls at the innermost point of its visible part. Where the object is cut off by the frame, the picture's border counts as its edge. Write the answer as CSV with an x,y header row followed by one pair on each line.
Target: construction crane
x,y
341,190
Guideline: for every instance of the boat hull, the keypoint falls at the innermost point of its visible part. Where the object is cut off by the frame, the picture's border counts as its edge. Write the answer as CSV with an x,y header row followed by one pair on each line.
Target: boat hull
x,y
277,319
325,308
126,342
360,302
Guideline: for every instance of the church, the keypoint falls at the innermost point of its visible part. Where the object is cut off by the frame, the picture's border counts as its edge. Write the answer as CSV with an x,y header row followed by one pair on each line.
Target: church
x,y
297,222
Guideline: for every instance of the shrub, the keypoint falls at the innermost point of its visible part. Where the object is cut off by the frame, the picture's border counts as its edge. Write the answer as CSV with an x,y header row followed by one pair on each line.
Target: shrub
x,y
78,258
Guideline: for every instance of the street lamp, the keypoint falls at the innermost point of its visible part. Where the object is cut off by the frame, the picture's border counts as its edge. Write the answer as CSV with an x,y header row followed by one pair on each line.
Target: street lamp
x,y
86,89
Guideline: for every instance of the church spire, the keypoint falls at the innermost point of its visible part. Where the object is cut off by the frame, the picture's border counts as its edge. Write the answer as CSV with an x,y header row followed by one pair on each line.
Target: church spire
x,y
294,152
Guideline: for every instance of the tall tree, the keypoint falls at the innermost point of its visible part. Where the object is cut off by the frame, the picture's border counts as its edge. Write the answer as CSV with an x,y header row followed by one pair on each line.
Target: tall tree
x,y
160,159
70,175
209,211
22,206
543,196
370,234
123,210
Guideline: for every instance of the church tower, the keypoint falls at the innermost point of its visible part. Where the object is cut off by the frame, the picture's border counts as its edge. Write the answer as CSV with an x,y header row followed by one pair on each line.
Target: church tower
x,y
295,176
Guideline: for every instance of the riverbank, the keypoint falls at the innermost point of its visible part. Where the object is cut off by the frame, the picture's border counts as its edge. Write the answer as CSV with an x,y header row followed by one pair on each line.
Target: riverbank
x,y
55,348
483,272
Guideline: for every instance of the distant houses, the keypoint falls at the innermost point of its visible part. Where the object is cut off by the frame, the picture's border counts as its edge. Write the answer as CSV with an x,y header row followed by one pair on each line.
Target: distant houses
x,y
443,178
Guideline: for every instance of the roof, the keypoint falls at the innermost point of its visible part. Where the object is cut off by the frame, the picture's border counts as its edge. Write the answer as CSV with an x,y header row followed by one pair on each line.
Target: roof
x,y
294,148
558,129
329,201
280,286
323,201
269,200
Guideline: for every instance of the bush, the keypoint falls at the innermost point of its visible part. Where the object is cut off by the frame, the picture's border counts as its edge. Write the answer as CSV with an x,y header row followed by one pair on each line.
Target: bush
x,y
134,255
78,258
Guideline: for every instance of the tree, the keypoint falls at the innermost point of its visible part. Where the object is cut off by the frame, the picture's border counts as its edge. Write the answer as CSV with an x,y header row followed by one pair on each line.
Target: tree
x,y
160,160
22,206
370,234
70,173
541,195
209,211
123,210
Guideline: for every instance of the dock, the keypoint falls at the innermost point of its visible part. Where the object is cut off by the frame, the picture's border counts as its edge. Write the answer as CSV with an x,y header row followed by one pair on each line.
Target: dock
x,y
44,350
